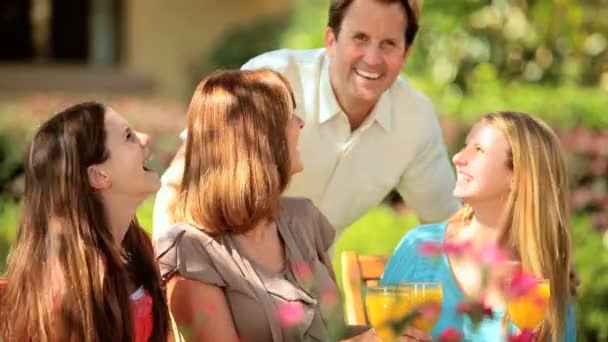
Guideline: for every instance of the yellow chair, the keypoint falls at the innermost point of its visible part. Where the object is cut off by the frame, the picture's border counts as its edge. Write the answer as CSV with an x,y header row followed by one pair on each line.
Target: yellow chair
x,y
358,271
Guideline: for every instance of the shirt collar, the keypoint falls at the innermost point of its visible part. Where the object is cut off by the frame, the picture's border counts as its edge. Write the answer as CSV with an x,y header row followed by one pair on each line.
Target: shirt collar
x,y
329,106
383,110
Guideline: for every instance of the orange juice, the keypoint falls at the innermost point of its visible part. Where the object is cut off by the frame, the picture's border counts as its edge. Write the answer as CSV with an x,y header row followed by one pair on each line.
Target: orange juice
x,y
380,311
529,311
426,297
385,305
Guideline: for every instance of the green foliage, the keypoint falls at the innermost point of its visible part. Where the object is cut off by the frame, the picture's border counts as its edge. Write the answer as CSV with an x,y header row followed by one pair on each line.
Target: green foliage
x,y
306,29
564,106
378,232
144,214
548,58
242,43
591,259
9,220
12,150
527,40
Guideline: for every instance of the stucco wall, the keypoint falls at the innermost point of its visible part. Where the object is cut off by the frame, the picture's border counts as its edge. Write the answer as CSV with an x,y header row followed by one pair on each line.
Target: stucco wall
x,y
164,38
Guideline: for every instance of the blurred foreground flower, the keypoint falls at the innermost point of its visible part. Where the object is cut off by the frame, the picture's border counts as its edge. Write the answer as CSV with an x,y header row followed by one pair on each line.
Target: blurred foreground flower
x,y
302,270
525,335
450,335
491,255
290,314
432,248
476,310
521,284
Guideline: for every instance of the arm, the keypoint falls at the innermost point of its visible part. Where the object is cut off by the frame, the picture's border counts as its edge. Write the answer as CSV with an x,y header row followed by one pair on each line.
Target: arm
x,y
324,238
570,333
428,182
166,196
200,310
368,336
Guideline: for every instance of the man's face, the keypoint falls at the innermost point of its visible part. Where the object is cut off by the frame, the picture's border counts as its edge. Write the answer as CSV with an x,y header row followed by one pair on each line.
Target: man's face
x,y
368,52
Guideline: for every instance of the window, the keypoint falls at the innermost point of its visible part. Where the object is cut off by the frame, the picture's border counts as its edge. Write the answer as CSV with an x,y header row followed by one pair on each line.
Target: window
x,y
61,31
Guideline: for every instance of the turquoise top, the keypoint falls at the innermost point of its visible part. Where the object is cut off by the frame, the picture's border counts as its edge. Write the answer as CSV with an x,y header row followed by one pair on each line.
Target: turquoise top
x,y
406,264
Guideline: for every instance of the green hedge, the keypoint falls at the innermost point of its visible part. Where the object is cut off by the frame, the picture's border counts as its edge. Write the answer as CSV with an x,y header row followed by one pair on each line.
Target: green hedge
x,y
12,150
9,220
591,259
563,106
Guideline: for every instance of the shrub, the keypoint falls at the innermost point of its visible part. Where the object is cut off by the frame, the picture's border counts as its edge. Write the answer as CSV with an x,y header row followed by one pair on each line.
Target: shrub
x,y
9,220
591,258
12,150
235,47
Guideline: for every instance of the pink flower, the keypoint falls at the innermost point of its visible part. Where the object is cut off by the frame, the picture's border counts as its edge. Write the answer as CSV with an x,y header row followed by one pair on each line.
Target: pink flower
x,y
432,248
430,311
209,307
450,335
290,314
330,303
463,307
521,283
491,254
476,310
329,297
525,335
302,270
206,306
457,247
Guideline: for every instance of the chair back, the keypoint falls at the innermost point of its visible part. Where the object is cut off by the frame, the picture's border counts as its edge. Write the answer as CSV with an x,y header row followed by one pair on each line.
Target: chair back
x,y
357,272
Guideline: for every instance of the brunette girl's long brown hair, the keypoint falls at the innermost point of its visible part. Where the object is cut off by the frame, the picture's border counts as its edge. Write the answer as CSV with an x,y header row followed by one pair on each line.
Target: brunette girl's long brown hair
x,y
66,279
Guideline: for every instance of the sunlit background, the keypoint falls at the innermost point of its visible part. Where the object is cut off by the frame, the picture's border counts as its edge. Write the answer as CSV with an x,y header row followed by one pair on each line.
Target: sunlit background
x,y
144,58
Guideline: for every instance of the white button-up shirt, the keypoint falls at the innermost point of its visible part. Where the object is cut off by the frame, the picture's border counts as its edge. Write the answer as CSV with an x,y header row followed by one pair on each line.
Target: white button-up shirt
x,y
346,173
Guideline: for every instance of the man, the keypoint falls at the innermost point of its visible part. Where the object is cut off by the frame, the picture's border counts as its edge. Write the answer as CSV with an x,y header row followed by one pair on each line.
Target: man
x,y
366,130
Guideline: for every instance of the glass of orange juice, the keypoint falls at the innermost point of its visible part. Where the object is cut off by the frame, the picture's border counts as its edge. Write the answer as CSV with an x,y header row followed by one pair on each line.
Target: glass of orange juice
x,y
383,305
529,310
425,297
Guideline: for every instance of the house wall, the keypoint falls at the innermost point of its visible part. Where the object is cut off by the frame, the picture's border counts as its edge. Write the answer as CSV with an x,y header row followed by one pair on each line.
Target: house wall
x,y
167,38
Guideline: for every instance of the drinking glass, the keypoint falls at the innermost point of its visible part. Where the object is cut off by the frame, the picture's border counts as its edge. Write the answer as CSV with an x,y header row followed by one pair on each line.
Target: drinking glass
x,y
387,306
425,297
529,310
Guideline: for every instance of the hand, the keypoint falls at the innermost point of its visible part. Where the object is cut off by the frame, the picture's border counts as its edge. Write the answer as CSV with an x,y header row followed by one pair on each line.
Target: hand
x,y
575,281
411,334
367,336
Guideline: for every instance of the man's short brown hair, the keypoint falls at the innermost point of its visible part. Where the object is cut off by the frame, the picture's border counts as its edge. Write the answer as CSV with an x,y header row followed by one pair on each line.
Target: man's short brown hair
x,y
338,8
237,161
